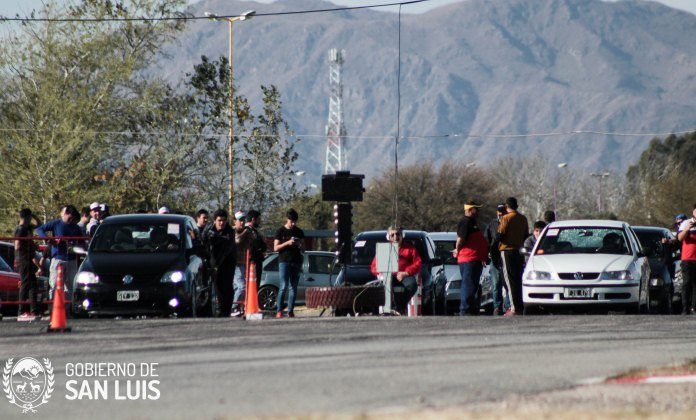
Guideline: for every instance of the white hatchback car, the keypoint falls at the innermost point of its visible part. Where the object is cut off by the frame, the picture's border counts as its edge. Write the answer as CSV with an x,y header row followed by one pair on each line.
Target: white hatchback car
x,y
586,262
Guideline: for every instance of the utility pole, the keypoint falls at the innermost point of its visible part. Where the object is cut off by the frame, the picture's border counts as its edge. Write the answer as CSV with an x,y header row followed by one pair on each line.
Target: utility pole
x,y
335,129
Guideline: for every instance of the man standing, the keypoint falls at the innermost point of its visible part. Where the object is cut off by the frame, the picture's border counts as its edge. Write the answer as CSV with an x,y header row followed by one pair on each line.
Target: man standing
x,y
84,220
219,239
687,236
242,239
471,252
532,239
66,226
496,264
202,219
288,245
258,243
26,264
409,265
95,212
512,232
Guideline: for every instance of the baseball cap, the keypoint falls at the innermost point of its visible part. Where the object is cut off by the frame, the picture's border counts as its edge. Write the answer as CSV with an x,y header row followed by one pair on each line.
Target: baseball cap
x,y
240,215
163,210
94,206
471,204
680,217
501,207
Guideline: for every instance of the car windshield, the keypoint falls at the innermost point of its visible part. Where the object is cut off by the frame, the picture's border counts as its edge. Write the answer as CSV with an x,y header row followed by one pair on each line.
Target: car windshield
x,y
443,249
4,266
147,237
364,250
584,240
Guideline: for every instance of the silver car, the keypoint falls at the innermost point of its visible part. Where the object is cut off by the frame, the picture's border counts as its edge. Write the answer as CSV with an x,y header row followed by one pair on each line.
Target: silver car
x,y
444,244
318,270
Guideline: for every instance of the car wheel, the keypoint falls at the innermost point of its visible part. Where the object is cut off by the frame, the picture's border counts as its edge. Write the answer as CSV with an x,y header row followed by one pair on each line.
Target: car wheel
x,y
268,296
214,300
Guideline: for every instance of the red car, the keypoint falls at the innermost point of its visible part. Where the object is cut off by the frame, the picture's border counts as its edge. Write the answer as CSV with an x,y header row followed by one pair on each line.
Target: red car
x,y
9,290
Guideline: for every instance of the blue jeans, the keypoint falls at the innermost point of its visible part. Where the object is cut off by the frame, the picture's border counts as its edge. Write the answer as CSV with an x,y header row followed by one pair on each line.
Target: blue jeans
x,y
289,276
239,285
497,284
469,292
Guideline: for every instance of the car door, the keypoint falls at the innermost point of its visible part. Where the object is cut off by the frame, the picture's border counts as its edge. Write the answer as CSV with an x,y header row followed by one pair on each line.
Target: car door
x,y
316,272
642,263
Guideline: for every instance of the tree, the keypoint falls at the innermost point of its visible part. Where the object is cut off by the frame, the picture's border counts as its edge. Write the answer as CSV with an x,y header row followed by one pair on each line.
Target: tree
x,y
429,199
264,155
658,185
65,89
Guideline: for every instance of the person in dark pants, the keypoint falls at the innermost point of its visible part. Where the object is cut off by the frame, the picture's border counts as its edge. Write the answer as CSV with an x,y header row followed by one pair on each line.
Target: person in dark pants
x,y
258,244
687,236
288,245
512,232
409,266
471,251
219,239
497,282
26,265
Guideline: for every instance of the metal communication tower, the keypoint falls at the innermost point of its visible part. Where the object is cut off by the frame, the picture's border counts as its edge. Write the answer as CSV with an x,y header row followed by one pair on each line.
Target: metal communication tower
x,y
335,130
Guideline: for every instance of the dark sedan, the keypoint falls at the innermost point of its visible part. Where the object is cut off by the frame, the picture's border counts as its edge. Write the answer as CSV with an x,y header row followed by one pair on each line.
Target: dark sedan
x,y
658,244
432,270
144,264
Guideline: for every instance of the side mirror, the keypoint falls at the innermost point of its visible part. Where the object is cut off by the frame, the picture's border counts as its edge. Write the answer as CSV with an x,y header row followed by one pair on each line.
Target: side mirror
x,y
525,251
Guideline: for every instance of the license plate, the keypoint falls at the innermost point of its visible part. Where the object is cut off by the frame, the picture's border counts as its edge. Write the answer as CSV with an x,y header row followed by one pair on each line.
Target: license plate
x,y
127,295
577,293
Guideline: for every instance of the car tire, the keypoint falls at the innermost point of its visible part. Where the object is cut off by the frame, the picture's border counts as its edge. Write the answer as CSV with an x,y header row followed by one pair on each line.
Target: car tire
x,y
214,300
268,298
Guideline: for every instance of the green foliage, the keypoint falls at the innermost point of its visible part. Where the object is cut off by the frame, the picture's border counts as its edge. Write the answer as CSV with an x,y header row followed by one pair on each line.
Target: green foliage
x,y
658,185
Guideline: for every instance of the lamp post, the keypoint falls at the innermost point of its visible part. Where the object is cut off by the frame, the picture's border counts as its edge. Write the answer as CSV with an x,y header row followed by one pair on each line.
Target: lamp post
x,y
600,177
555,181
230,153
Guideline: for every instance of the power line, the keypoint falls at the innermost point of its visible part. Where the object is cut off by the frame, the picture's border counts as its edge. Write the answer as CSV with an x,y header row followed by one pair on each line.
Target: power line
x,y
183,17
359,137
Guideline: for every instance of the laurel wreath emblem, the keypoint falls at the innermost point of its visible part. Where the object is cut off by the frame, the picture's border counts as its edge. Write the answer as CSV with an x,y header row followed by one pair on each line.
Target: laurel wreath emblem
x,y
6,386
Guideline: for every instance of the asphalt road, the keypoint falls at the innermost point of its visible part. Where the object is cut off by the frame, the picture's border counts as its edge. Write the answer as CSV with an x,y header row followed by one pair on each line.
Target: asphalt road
x,y
212,368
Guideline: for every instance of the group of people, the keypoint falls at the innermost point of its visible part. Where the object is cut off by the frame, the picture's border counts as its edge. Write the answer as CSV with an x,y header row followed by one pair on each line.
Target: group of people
x,y
232,248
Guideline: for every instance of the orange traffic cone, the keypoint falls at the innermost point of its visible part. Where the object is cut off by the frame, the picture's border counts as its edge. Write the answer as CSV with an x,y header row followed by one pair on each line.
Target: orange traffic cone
x,y
58,321
252,297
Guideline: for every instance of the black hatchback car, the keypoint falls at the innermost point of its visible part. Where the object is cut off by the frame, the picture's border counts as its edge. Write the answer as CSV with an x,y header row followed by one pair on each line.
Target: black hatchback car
x,y
145,264
432,268
662,256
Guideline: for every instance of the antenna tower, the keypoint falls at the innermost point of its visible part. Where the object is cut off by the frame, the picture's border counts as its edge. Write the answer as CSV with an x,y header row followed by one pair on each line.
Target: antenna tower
x,y
335,130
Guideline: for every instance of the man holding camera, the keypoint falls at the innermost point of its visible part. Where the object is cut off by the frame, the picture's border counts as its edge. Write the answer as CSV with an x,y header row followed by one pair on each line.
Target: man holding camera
x,y
687,236
288,245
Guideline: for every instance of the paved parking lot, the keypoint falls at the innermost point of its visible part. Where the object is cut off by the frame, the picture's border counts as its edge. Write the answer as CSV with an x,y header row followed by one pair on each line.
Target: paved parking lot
x,y
211,368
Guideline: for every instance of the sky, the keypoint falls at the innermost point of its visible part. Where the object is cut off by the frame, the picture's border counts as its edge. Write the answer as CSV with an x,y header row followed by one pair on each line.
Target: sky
x,y
12,7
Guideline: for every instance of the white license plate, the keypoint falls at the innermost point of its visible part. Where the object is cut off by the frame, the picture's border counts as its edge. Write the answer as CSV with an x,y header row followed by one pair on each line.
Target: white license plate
x,y
577,293
128,295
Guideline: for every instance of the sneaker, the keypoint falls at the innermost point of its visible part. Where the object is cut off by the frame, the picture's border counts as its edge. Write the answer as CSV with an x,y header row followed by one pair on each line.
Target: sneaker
x,y
26,317
279,315
497,312
236,313
291,314
510,313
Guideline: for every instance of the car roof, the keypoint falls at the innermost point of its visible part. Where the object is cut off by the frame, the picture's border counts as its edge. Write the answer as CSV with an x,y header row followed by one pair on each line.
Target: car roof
x,y
588,223
146,218
650,229
373,233
443,236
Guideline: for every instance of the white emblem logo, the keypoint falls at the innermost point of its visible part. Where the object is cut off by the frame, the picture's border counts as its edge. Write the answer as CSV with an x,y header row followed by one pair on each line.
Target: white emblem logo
x,y
28,383
127,279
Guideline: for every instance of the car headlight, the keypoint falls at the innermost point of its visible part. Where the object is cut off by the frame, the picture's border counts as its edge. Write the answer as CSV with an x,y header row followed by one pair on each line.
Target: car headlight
x,y
617,275
87,277
538,275
173,277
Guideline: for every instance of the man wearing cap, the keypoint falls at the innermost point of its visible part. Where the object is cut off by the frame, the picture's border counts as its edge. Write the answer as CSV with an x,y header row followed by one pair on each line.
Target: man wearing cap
x,y
163,210
496,270
471,252
95,212
242,239
512,232
687,236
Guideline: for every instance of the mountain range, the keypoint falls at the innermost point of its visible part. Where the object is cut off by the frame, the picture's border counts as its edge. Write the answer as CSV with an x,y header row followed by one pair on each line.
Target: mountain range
x,y
471,74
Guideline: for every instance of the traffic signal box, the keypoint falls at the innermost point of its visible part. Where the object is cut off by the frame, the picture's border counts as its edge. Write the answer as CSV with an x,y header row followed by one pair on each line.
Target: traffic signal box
x,y
343,187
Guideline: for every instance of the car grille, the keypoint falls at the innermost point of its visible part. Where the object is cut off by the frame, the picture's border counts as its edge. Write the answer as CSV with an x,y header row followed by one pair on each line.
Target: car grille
x,y
137,278
571,276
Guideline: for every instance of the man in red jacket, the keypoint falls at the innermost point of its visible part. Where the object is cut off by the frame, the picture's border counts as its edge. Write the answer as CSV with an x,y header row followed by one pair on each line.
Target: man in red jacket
x,y
471,252
409,264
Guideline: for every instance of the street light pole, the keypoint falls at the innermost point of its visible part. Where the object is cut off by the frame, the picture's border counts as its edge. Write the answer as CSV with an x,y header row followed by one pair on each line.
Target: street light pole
x,y
600,177
230,102
555,181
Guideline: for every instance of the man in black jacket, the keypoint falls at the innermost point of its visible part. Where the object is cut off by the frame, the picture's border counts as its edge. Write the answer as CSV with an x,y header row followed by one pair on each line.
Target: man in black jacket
x,y
219,240
258,244
497,283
